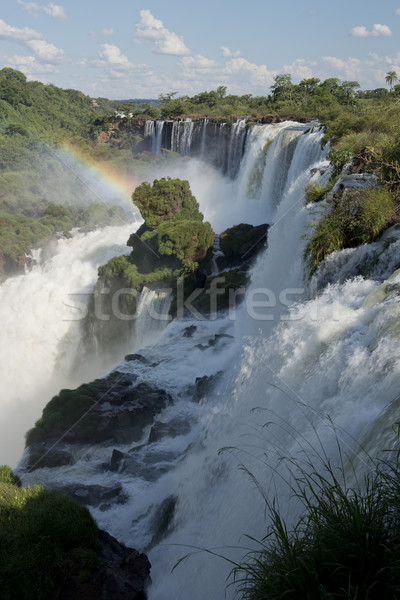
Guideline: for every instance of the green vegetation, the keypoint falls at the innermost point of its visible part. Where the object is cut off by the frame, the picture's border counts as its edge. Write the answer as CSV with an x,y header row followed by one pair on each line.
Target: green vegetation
x,y
345,545
165,200
316,192
172,236
350,219
120,273
43,537
71,407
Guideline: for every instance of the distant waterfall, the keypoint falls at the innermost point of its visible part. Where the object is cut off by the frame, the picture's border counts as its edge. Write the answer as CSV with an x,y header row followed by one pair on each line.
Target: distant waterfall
x,y
203,138
236,146
157,137
149,129
181,137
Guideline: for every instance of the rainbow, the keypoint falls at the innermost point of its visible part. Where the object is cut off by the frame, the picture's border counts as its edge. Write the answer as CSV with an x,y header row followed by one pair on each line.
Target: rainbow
x,y
103,174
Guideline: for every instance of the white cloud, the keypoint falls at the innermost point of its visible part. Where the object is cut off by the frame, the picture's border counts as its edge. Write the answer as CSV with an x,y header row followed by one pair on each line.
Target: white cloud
x,y
165,41
8,32
258,75
397,11
113,56
106,31
28,65
300,68
44,50
31,38
376,31
227,53
198,62
53,10
350,68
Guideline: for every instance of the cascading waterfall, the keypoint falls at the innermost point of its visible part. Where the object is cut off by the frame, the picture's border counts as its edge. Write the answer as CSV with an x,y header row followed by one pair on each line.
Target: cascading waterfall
x,y
295,369
157,138
235,150
152,316
41,315
181,137
203,138
149,129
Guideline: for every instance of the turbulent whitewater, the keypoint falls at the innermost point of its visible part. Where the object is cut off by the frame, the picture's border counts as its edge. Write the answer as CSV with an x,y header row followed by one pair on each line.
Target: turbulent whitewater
x,y
298,366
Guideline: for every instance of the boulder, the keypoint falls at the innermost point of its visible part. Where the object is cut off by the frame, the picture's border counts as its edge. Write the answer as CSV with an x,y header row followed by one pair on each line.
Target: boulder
x,y
242,242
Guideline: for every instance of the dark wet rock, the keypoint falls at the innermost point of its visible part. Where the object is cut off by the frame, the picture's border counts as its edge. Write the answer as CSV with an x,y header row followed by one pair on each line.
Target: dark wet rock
x,y
137,358
40,457
206,384
217,337
172,429
93,495
144,463
116,459
163,519
122,574
242,242
112,409
189,331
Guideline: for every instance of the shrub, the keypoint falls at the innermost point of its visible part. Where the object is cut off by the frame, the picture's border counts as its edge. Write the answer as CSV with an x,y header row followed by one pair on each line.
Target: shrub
x,y
356,217
165,199
316,193
43,537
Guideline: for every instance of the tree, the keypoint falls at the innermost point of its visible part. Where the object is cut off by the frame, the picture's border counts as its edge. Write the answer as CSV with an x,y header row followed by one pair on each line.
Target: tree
x,y
282,86
391,78
349,88
310,85
166,98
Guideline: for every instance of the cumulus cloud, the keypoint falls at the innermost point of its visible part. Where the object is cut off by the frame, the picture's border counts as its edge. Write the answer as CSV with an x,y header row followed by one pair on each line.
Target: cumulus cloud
x,y
29,66
350,67
198,62
32,39
301,68
53,10
227,53
258,75
113,56
397,11
8,32
44,50
165,41
106,31
376,31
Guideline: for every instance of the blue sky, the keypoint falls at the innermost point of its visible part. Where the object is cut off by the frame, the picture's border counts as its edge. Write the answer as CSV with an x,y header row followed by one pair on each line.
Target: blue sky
x,y
120,49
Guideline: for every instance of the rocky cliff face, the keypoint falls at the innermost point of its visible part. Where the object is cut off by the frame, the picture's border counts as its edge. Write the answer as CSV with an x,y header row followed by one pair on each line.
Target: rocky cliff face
x,y
123,574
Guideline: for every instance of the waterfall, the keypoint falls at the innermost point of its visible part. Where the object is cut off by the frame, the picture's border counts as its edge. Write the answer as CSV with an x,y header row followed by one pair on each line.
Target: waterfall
x,y
152,316
203,138
149,129
181,136
296,368
157,138
235,150
41,315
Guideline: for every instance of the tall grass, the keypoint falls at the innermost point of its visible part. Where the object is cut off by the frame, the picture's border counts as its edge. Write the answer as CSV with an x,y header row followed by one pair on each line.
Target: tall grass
x,y
354,218
345,545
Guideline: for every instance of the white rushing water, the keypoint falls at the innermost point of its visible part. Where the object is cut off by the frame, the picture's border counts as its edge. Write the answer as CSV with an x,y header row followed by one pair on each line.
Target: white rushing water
x,y
298,367
41,315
